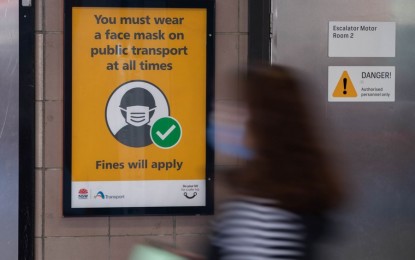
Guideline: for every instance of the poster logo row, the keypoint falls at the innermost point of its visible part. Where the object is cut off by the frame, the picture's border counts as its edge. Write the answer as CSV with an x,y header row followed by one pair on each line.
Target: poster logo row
x,y
139,193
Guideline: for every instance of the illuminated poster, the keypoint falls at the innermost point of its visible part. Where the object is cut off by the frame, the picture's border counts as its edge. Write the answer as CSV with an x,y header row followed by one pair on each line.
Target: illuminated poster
x,y
136,99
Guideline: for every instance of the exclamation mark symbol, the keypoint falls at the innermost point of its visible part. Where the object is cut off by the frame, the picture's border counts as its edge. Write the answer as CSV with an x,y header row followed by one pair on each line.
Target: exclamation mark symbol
x,y
344,86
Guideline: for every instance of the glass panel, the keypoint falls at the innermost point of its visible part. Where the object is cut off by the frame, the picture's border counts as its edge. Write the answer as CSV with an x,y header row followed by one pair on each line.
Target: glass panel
x,y
9,116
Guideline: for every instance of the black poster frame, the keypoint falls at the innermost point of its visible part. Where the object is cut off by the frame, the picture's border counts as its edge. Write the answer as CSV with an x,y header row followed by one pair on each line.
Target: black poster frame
x,y
68,211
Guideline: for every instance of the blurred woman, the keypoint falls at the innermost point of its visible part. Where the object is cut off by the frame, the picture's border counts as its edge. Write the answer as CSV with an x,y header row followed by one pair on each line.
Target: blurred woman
x,y
285,188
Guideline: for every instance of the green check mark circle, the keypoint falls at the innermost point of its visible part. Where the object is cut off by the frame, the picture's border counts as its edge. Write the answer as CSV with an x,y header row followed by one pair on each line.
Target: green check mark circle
x,y
166,132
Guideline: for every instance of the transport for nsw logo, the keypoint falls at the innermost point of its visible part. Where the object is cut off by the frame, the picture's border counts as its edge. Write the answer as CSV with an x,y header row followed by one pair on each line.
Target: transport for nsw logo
x,y
100,195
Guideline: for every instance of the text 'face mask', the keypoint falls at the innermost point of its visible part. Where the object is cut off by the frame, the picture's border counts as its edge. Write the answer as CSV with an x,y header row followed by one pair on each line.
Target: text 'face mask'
x,y
137,115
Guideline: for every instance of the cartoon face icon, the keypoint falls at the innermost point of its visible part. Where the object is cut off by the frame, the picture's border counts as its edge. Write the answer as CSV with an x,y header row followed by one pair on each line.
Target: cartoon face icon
x,y
131,111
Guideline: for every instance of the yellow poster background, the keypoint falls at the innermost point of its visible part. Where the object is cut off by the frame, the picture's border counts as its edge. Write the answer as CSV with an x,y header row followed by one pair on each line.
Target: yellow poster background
x,y
92,85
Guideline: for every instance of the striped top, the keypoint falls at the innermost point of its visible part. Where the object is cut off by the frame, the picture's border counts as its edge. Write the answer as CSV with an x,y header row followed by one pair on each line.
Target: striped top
x,y
254,228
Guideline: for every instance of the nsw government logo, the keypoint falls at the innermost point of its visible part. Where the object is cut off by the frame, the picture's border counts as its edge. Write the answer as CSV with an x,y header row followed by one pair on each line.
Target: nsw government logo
x,y
83,194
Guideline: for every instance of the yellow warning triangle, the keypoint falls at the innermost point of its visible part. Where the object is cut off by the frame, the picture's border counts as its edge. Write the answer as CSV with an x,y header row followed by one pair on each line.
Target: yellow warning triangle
x,y
345,87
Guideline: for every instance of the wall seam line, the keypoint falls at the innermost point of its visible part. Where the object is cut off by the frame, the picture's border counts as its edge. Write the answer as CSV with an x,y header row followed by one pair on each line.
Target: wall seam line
x,y
43,130
174,232
109,238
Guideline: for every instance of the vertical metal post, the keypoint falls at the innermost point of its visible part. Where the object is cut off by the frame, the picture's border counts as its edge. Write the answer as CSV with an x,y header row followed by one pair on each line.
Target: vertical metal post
x,y
26,128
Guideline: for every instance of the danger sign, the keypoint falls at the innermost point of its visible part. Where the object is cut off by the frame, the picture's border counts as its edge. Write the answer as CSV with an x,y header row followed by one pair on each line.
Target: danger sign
x,y
361,84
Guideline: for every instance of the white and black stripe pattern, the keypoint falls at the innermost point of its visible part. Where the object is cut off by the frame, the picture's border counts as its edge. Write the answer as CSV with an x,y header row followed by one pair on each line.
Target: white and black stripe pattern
x,y
252,228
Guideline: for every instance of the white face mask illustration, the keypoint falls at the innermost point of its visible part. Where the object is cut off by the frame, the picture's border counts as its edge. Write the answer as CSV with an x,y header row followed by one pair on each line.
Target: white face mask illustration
x,y
137,115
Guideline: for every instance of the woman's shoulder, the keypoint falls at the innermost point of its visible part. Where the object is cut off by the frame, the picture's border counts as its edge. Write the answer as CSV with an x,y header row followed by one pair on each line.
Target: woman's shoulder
x,y
265,206
256,228
254,212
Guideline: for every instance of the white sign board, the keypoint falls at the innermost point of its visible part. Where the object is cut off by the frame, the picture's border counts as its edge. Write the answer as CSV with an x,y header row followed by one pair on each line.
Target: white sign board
x,y
361,84
362,39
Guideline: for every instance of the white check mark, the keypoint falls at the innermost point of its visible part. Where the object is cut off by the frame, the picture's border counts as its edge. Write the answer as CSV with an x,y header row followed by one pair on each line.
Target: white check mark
x,y
167,133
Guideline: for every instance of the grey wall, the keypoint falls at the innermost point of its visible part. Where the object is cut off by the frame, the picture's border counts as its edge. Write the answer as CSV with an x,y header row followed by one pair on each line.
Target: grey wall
x,y
9,134
375,141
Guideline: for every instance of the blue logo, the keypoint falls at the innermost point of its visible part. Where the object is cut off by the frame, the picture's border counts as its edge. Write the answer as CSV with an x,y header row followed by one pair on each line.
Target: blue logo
x,y
100,194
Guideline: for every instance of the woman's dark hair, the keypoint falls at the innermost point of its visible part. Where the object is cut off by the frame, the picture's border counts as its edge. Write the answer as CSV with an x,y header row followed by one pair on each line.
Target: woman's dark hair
x,y
289,164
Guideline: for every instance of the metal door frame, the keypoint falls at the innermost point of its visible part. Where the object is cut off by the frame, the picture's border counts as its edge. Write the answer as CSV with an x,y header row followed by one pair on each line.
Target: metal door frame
x,y
259,32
